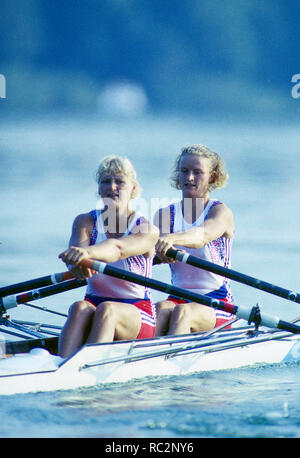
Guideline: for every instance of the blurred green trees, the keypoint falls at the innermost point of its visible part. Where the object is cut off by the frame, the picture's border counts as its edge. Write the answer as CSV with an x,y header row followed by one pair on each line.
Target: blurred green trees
x,y
190,55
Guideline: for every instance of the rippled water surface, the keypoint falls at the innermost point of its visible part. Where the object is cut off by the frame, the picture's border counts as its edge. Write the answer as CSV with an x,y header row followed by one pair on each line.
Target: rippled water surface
x,y
256,402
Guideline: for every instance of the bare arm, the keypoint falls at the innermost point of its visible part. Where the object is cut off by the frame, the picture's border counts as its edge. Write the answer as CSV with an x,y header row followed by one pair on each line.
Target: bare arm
x,y
142,241
80,239
218,223
81,231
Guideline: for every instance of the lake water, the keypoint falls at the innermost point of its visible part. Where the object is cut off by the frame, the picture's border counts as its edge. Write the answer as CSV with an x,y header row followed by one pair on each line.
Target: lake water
x,y
47,170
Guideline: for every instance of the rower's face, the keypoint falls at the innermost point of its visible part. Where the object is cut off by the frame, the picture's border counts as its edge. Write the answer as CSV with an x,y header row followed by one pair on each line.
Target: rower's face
x,y
119,188
194,175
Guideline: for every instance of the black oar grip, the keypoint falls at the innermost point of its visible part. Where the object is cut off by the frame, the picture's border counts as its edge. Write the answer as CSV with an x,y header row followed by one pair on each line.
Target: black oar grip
x,y
175,254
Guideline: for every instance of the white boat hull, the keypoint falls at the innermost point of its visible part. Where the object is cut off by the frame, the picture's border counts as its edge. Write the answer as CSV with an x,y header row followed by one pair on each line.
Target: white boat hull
x,y
110,363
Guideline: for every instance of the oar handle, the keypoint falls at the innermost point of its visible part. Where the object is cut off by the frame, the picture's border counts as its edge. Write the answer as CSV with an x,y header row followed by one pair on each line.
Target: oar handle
x,y
90,264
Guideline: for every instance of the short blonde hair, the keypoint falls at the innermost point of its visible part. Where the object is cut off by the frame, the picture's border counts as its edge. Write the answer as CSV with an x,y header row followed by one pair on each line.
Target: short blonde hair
x,y
217,165
120,166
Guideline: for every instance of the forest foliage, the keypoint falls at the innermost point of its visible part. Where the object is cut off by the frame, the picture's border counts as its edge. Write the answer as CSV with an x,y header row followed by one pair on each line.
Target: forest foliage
x,y
186,55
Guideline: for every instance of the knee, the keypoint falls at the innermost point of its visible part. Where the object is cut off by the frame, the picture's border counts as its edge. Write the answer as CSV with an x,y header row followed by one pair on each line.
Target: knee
x,y
106,310
164,307
81,308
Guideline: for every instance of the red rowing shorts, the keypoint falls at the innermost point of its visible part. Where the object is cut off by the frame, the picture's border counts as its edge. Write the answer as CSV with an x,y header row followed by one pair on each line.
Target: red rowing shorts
x,y
147,330
219,319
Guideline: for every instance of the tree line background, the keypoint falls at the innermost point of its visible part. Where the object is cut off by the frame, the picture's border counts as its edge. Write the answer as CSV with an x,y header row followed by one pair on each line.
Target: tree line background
x,y
188,56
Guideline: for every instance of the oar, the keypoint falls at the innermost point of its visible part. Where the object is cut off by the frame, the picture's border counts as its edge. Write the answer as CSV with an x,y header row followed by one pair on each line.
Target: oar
x,y
233,275
35,283
252,315
8,302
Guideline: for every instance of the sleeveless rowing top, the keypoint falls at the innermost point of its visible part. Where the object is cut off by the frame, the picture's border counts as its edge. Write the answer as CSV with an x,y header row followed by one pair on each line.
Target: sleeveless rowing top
x,y
217,251
103,285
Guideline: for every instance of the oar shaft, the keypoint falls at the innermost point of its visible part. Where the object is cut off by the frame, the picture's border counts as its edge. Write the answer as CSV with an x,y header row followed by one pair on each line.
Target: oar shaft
x,y
8,302
35,283
233,275
239,311
102,267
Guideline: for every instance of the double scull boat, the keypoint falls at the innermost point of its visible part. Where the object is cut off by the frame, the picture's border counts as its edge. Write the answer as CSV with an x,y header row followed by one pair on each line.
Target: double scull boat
x,y
31,364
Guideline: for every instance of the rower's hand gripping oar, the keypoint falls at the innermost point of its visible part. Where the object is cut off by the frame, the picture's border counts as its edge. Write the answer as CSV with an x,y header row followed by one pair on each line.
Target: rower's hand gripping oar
x,y
246,313
187,258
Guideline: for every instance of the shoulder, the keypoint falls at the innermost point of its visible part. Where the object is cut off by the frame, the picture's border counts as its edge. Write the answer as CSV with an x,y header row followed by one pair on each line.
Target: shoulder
x,y
219,208
84,221
222,214
82,230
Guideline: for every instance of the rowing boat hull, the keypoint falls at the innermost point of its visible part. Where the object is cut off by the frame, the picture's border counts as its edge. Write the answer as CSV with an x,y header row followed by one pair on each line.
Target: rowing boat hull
x,y
124,361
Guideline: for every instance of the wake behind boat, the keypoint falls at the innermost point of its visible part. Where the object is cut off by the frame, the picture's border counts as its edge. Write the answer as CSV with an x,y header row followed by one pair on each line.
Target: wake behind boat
x,y
32,364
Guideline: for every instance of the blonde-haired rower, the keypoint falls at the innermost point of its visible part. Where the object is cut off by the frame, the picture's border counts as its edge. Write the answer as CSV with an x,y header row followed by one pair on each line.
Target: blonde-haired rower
x,y
112,309
203,227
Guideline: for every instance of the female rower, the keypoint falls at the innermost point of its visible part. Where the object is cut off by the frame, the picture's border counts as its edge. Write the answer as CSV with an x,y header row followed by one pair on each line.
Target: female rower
x,y
202,227
113,309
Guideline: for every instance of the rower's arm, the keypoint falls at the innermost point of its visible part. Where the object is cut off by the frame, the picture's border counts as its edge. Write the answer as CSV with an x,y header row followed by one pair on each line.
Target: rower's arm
x,y
80,239
141,242
219,222
81,231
